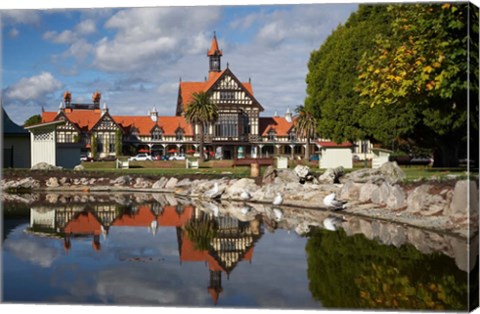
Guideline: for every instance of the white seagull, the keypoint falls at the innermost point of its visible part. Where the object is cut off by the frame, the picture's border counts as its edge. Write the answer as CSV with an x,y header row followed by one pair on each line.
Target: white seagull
x,y
331,202
332,223
277,214
153,226
213,192
278,200
245,195
245,210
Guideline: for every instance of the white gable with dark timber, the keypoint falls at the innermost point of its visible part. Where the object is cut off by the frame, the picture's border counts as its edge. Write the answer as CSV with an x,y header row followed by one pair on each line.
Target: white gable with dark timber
x,y
229,91
106,123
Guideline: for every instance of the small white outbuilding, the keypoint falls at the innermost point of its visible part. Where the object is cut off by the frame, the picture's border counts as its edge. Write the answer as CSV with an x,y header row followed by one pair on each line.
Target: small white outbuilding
x,y
334,155
44,146
380,156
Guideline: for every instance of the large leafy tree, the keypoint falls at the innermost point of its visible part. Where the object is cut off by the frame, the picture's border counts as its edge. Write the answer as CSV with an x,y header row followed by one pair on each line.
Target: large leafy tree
x,y
201,111
357,273
35,119
332,76
306,127
422,69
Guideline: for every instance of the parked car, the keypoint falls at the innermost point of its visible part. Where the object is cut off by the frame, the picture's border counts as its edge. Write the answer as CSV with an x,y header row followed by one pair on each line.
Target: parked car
x,y
140,157
177,157
84,157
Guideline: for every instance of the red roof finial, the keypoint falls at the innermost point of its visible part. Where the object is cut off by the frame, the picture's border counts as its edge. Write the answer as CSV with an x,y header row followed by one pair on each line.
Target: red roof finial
x,y
214,50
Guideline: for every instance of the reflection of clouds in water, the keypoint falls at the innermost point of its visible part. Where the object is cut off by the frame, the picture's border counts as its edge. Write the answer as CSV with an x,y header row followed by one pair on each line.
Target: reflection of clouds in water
x,y
140,284
128,242
35,251
273,255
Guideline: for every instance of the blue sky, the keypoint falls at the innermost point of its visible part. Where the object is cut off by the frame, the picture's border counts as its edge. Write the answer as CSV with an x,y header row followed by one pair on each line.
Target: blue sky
x,y
135,56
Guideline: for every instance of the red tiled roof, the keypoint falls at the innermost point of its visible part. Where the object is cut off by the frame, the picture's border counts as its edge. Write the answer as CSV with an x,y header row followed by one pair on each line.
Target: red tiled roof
x,y
333,144
84,223
84,119
48,116
144,124
171,218
142,218
279,124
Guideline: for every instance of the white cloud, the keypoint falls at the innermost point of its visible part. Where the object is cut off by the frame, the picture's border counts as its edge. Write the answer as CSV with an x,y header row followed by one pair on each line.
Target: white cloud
x,y
80,50
149,36
86,27
32,88
13,33
12,17
65,37
34,251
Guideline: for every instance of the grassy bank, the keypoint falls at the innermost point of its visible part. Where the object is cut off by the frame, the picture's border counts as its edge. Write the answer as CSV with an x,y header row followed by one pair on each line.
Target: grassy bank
x,y
222,168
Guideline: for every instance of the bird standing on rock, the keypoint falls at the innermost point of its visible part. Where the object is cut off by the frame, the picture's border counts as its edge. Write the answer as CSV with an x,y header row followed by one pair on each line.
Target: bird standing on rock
x,y
278,200
213,192
332,203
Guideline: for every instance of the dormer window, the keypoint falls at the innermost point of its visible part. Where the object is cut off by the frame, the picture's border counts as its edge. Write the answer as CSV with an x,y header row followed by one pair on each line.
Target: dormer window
x,y
292,136
179,135
272,135
157,134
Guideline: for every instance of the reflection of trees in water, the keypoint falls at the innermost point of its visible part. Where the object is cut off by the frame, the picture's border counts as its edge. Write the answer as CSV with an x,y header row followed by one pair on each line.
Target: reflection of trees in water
x,y
354,272
201,231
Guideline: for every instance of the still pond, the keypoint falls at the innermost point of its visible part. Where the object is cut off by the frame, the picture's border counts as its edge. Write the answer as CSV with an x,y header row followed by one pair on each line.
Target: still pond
x,y
161,251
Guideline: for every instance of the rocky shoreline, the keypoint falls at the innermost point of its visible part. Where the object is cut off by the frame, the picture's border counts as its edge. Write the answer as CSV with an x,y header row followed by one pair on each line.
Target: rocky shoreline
x,y
374,193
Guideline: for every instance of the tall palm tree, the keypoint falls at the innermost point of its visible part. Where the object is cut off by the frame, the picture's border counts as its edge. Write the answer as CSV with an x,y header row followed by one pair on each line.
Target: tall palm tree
x,y
201,111
305,126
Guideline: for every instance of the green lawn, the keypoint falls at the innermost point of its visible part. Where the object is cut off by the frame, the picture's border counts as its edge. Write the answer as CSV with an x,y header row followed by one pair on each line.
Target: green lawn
x,y
215,168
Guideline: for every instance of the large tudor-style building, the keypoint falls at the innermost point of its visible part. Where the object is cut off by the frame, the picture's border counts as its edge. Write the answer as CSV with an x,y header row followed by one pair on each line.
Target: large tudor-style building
x,y
239,131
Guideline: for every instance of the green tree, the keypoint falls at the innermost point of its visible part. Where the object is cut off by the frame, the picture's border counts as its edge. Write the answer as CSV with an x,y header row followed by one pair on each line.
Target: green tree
x,y
422,68
332,76
201,231
201,111
35,119
118,142
355,272
305,126
93,146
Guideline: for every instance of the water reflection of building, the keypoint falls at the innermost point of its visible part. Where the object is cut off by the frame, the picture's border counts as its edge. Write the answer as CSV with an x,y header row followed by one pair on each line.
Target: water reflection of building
x,y
74,221
233,242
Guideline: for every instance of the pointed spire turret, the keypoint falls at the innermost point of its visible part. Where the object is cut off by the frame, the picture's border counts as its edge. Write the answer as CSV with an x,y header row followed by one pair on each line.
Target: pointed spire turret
x,y
214,54
214,50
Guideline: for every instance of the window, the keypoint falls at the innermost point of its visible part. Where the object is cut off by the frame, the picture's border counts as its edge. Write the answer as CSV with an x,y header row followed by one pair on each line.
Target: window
x,y
100,143
111,142
292,137
61,137
157,134
227,125
271,135
179,135
227,95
